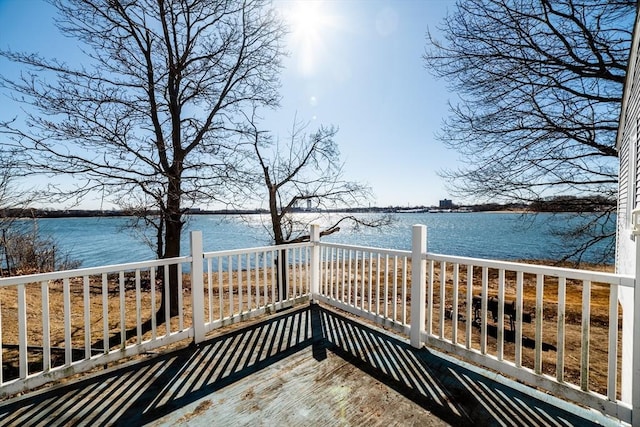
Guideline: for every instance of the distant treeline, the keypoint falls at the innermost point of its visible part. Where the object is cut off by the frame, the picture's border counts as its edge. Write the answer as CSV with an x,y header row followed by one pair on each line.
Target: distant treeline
x,y
573,204
553,204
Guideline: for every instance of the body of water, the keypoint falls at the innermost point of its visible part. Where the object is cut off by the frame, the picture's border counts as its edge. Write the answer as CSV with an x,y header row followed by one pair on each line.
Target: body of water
x,y
510,236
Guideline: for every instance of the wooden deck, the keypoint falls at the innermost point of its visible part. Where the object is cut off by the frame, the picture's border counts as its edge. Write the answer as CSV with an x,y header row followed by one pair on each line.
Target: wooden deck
x,y
306,366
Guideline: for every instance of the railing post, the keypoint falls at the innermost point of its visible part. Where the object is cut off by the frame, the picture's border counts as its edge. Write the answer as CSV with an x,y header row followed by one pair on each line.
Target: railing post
x,y
197,287
315,262
418,283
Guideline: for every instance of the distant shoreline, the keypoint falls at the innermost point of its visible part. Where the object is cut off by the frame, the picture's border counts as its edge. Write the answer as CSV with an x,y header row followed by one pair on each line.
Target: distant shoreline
x,y
88,213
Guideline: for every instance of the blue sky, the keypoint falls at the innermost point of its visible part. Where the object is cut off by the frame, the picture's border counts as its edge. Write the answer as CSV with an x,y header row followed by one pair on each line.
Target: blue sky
x,y
356,64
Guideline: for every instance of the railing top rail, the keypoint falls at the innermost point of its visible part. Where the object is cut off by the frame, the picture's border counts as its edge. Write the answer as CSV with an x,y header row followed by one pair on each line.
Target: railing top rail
x,y
392,252
90,271
569,273
213,254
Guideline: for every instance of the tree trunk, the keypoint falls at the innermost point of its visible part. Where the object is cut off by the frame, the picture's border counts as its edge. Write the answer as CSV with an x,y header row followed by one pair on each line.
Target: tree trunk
x,y
173,224
278,237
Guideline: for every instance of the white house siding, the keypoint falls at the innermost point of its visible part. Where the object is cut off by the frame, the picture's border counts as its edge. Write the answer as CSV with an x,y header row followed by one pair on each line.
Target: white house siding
x,y
628,197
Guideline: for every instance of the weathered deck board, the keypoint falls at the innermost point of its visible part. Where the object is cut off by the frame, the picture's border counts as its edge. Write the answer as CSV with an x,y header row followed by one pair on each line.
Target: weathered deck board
x,y
309,366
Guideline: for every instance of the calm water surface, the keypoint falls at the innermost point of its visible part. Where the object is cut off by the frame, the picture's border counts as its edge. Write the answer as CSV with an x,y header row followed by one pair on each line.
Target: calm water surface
x,y
101,241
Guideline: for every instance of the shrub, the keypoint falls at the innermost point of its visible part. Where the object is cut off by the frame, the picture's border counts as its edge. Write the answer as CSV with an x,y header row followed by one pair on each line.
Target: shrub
x,y
24,251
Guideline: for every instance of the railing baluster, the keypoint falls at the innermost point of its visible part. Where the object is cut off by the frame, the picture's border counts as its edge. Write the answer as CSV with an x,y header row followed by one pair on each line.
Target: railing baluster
x,y
66,303
386,286
395,288
378,285
483,310
167,301
304,270
239,283
46,329
612,371
562,293
334,274
344,275
349,296
248,270
359,283
180,300
22,332
363,267
321,273
539,318
87,317
404,291
210,287
300,273
296,273
586,322
105,313
325,268
443,298
519,290
304,267
273,280
307,270
265,287
138,308
429,313
152,284
370,280
290,274
454,308
123,314
230,283
221,288
256,271
339,274
356,286
361,276
470,319
501,301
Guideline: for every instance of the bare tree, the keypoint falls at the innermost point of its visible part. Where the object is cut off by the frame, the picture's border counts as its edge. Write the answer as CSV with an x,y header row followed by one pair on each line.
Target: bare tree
x,y
303,174
300,180
540,86
147,116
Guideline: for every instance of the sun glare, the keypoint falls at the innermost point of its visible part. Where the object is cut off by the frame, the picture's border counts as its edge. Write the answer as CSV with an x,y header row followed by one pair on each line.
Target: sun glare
x,y
306,18
310,25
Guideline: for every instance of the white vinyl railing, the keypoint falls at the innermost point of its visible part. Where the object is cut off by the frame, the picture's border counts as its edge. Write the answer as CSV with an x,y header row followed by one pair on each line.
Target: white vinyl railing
x,y
53,325
517,322
48,328
369,282
244,283
558,329
553,328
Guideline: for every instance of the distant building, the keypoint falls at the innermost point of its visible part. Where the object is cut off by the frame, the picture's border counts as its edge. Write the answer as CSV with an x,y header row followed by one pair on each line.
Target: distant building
x,y
446,204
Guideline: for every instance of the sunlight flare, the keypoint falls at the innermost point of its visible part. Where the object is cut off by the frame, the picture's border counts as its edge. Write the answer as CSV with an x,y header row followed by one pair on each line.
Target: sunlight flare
x,y
311,25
